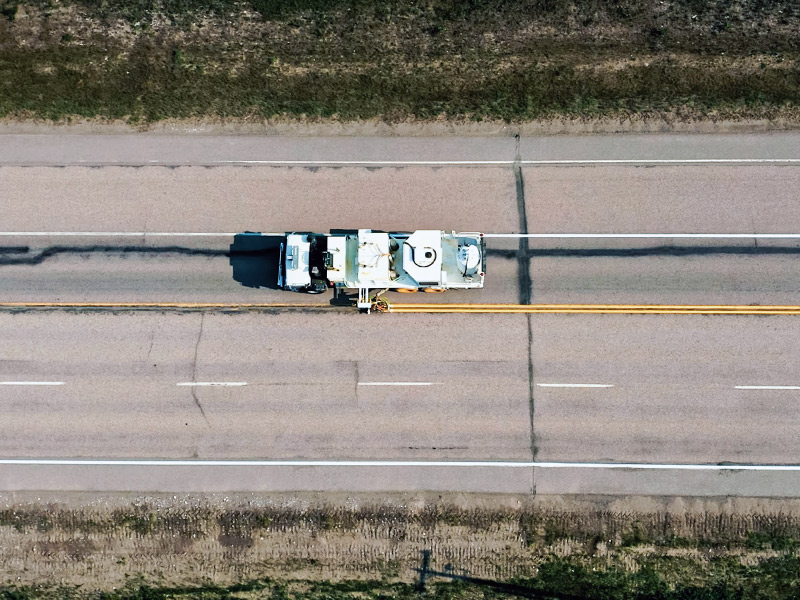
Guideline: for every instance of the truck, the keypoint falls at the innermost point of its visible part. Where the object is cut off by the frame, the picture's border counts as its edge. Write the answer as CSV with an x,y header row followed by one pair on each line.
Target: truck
x,y
426,259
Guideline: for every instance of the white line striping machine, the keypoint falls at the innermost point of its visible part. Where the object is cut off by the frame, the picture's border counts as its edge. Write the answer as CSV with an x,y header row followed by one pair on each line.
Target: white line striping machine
x,y
427,259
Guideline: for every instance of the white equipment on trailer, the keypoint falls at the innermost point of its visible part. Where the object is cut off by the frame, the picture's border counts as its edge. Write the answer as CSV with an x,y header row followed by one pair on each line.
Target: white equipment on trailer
x,y
367,260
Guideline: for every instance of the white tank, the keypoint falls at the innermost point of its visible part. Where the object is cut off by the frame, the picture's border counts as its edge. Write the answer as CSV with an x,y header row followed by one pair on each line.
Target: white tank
x,y
469,257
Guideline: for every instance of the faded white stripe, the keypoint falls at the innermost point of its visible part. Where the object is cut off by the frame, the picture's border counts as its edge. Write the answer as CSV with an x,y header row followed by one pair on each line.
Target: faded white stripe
x,y
31,383
576,385
767,387
211,383
396,383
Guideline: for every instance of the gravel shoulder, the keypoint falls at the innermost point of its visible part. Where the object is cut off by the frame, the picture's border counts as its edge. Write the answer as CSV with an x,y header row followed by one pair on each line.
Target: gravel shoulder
x,y
376,128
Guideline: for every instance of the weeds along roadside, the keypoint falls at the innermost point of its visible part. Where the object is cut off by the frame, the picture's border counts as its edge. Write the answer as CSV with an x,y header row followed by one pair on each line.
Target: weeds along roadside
x,y
390,60
770,579
163,550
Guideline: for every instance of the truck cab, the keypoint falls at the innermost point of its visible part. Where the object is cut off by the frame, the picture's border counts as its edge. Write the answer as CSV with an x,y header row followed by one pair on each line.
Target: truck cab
x,y
300,267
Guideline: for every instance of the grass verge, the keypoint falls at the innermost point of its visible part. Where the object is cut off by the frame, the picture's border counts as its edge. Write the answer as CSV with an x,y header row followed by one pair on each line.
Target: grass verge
x,y
184,548
776,578
512,60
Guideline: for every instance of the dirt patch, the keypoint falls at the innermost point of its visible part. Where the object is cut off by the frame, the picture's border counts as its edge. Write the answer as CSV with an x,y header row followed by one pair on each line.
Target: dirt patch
x,y
73,549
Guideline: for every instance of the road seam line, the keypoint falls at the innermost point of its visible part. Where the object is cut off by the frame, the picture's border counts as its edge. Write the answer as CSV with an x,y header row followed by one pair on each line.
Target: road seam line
x,y
389,463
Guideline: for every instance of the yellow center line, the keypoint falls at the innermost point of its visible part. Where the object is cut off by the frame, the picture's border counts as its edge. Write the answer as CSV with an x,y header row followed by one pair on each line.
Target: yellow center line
x,y
158,305
673,309
593,306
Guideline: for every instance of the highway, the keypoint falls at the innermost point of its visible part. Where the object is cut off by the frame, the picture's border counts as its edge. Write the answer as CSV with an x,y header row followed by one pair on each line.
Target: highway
x,y
542,403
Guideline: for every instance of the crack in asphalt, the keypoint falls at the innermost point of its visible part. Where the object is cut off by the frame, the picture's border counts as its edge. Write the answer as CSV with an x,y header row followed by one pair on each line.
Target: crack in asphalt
x,y
357,378
150,349
643,252
525,289
21,255
531,387
194,370
523,266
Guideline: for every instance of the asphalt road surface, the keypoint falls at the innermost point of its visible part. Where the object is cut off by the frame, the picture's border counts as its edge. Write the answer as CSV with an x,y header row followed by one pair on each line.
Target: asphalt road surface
x,y
502,403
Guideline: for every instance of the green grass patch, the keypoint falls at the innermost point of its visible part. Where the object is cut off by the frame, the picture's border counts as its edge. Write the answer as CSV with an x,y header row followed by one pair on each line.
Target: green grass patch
x,y
776,578
598,553
154,83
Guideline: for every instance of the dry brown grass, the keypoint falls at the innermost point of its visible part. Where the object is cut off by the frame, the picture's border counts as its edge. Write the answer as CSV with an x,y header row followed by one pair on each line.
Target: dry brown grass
x,y
350,60
186,540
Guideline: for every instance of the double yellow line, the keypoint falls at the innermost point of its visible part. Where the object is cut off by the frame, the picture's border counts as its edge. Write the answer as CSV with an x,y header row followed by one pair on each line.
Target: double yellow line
x,y
626,309
157,305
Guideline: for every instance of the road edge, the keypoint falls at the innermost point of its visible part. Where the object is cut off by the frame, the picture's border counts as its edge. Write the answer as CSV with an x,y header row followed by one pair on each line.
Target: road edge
x,y
376,128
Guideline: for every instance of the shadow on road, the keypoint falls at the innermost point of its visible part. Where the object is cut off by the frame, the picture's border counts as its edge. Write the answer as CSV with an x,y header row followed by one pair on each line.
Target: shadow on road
x,y
254,259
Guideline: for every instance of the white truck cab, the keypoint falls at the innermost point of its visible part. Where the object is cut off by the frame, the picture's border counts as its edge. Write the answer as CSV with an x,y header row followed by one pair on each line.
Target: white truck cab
x,y
297,271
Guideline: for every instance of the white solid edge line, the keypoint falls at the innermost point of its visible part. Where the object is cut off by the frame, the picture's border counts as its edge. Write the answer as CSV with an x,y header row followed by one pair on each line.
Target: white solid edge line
x,y
576,385
368,162
389,463
31,383
748,236
426,163
211,383
124,234
613,161
767,387
665,161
